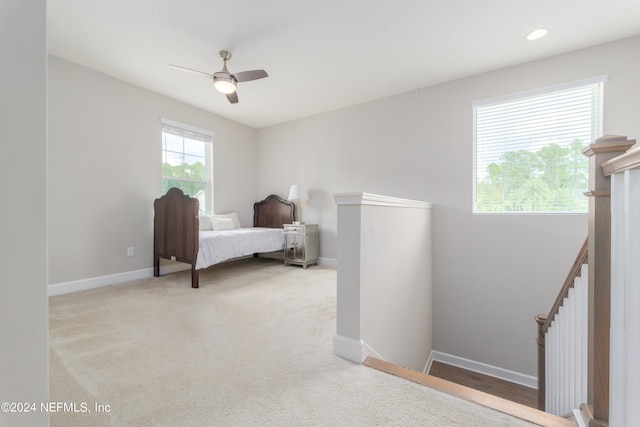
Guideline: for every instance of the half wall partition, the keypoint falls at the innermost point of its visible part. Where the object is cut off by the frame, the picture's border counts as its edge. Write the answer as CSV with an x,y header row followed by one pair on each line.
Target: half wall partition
x,y
384,279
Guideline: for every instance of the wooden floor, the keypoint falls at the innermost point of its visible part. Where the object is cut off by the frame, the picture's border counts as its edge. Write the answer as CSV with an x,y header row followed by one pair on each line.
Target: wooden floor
x,y
501,404
497,387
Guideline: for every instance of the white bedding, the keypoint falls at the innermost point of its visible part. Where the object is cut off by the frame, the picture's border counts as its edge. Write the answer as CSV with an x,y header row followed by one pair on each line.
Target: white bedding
x,y
218,246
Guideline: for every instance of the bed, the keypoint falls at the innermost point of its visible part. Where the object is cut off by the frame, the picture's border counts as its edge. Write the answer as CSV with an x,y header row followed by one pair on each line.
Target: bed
x,y
180,234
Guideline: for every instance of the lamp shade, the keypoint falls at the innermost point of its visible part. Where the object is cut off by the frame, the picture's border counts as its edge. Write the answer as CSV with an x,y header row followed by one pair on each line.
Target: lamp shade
x,y
298,192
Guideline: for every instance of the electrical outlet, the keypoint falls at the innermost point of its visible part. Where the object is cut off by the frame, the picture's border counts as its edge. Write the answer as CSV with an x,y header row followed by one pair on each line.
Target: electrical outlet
x,y
130,251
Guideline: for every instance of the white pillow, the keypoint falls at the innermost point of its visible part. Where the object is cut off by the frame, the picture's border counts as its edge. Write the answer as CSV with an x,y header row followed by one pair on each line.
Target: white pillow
x,y
222,223
233,216
205,222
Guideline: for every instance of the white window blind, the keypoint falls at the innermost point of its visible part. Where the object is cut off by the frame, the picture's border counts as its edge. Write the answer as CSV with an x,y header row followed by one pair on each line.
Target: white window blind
x,y
528,149
187,162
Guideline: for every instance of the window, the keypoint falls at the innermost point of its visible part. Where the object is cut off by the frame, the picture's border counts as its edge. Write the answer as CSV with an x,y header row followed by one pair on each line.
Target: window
x,y
187,162
528,149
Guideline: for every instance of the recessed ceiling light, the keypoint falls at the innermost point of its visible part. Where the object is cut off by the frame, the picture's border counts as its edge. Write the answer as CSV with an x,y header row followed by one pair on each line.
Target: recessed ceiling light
x,y
537,34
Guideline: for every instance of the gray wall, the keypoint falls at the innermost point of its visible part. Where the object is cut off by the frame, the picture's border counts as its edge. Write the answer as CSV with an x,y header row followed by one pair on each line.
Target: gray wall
x,y
23,253
105,170
491,273
396,285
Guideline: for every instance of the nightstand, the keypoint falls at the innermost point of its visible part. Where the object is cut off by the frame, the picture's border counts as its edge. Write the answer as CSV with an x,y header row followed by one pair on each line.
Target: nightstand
x,y
301,244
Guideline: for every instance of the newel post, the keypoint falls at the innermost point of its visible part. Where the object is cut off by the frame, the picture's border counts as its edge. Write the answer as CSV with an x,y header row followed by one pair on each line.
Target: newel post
x,y
540,320
599,194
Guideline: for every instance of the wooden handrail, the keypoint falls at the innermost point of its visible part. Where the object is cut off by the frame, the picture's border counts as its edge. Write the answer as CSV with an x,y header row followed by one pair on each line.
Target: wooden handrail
x,y
544,321
582,258
627,161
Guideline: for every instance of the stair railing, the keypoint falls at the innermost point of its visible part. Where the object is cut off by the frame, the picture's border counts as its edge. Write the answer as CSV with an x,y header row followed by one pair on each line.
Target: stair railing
x,y
594,411
562,343
624,382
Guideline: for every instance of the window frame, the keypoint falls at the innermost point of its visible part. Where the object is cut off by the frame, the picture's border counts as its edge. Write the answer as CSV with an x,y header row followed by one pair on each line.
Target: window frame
x,y
596,131
203,135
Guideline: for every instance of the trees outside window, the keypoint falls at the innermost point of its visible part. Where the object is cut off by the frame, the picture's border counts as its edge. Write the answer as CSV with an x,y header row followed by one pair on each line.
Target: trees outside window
x,y
552,179
528,149
187,162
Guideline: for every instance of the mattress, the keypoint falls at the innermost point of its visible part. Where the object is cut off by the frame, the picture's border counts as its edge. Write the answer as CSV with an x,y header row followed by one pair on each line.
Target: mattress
x,y
219,246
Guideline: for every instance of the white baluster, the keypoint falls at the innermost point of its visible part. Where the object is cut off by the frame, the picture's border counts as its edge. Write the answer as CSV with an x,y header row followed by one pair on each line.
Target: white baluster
x,y
566,351
617,340
571,350
632,295
548,363
582,300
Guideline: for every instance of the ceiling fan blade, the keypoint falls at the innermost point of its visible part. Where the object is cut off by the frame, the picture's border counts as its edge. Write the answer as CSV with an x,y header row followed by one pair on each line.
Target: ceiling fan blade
x,y
232,97
192,71
245,76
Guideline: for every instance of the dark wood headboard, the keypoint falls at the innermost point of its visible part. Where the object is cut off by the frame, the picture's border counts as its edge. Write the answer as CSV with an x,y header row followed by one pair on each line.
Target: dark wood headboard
x,y
273,212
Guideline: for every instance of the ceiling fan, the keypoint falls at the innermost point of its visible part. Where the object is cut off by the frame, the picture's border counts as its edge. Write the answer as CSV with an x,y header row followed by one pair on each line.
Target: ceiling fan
x,y
224,81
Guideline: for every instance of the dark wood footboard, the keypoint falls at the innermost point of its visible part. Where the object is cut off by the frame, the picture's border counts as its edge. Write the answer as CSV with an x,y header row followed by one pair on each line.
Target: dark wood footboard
x,y
176,231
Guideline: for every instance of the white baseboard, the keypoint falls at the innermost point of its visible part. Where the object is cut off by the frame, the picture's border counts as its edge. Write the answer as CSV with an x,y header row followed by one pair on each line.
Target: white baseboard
x,y
352,349
427,366
482,368
347,348
97,282
166,267
111,279
580,418
331,262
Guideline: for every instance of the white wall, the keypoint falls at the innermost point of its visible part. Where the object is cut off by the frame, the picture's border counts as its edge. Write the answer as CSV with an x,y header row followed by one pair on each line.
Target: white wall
x,y
396,294
105,170
23,253
384,306
492,273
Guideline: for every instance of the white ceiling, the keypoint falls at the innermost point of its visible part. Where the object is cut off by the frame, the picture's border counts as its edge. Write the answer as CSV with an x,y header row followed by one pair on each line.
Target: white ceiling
x,y
320,55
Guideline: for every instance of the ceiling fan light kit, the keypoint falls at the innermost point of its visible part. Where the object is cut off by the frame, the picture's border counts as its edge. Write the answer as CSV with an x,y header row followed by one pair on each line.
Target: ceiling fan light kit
x,y
225,82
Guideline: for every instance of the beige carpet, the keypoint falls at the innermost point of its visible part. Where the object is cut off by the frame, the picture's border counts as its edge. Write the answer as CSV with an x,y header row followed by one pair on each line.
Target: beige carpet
x,y
251,346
